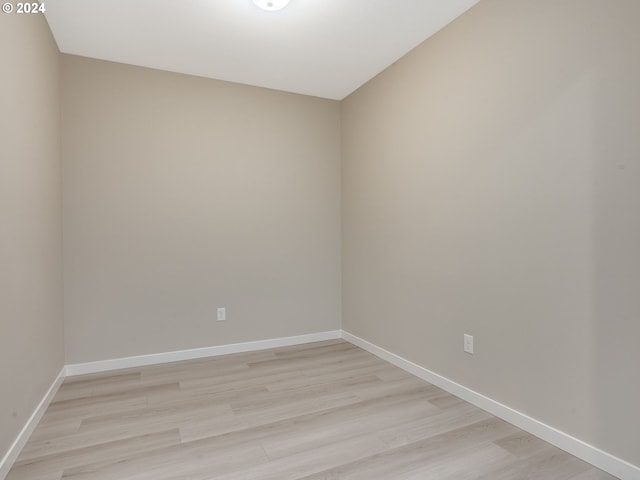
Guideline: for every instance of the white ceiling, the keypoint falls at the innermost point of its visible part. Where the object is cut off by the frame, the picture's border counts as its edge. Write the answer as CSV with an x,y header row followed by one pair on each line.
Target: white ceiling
x,y
325,48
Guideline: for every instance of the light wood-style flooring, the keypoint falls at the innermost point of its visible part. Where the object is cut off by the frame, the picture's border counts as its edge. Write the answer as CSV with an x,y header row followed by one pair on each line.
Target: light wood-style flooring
x,y
319,411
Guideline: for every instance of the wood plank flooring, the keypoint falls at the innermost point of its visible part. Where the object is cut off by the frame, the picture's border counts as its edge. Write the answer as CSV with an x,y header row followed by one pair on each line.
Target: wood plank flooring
x,y
319,411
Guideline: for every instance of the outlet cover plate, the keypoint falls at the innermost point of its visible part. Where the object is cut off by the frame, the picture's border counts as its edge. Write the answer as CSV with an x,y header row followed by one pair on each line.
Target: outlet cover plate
x,y
468,343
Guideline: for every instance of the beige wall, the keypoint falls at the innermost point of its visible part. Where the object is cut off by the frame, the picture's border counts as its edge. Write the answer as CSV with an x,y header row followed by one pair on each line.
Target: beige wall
x,y
183,194
491,186
31,341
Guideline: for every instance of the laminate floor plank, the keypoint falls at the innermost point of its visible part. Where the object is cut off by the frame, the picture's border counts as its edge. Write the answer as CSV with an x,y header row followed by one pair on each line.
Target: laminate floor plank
x,y
317,378
440,453
321,411
341,424
22,474
550,464
593,474
107,453
178,462
307,462
53,430
195,396
96,401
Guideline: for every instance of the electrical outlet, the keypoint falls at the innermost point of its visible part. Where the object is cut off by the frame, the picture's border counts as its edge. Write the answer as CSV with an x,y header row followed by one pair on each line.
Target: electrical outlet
x,y
468,343
222,314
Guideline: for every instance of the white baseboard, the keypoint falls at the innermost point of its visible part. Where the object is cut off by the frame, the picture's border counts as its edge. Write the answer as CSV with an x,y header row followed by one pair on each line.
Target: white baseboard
x,y
156,358
118,363
600,459
603,460
14,450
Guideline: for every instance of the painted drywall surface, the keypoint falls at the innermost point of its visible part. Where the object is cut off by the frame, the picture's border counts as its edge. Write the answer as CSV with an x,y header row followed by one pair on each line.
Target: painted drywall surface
x,y
31,330
182,195
491,186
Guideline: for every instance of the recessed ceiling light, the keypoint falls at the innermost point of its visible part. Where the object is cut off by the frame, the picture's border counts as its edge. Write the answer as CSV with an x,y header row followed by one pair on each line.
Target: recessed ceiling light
x,y
271,5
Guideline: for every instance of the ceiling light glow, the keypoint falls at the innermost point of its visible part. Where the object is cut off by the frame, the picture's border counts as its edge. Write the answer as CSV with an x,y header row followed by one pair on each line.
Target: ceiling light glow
x,y
271,5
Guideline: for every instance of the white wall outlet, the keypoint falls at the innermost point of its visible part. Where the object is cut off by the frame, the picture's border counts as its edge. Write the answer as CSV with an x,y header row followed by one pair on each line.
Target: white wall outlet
x,y
468,343
222,314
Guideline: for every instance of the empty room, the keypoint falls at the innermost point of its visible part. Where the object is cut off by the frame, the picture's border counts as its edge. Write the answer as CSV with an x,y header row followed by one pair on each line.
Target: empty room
x,y
320,239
